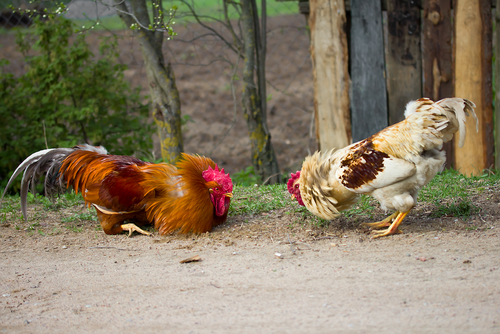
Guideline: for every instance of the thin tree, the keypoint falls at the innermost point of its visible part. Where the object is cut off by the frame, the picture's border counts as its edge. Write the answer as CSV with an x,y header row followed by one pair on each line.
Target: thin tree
x,y
249,43
150,31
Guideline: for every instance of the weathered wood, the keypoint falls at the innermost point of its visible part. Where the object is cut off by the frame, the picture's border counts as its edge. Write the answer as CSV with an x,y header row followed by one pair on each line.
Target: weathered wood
x,y
369,99
472,76
330,71
437,56
497,85
403,57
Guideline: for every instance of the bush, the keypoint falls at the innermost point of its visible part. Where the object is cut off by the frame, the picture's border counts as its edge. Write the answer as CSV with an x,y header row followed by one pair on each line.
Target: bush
x,y
67,97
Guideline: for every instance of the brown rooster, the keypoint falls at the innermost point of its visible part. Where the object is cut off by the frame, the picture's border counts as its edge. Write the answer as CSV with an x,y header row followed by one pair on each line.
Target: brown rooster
x,y
192,196
392,165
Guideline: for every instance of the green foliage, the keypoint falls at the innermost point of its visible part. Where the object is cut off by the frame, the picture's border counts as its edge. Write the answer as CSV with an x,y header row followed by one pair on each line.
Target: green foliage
x,y
246,177
450,184
89,215
67,96
461,208
363,208
256,199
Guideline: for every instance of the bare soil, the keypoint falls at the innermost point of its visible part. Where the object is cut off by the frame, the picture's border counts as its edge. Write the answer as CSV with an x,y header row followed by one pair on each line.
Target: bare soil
x,y
275,272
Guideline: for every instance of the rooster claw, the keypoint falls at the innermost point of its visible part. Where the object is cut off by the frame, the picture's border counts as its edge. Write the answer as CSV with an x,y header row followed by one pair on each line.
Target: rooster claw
x,y
393,229
386,232
133,228
384,223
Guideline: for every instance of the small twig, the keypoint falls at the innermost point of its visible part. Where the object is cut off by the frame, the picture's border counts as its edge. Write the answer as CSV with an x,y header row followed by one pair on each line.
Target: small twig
x,y
263,183
10,251
215,286
291,244
44,134
323,238
112,247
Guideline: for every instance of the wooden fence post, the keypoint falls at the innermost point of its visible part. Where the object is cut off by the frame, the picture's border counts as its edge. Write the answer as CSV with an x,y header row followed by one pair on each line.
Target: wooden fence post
x,y
472,69
329,54
437,54
369,95
404,59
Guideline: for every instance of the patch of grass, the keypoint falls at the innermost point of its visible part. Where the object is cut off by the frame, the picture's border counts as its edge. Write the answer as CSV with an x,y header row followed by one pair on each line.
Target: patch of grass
x,y
455,190
10,204
254,200
452,184
462,208
363,208
246,177
204,9
77,217
74,228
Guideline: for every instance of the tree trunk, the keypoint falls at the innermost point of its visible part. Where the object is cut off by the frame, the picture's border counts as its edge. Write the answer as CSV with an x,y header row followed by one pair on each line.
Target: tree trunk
x,y
254,98
164,94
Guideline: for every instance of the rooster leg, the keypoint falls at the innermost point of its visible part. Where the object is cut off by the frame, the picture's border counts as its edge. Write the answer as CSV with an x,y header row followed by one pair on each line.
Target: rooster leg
x,y
393,229
384,223
133,228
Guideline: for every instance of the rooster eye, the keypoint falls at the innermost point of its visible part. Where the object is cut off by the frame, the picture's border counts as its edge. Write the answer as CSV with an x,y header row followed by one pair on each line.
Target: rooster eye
x,y
216,188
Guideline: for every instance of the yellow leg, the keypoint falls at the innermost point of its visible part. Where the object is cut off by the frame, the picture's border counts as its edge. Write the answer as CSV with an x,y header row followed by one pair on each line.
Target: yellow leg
x,y
133,228
384,223
393,229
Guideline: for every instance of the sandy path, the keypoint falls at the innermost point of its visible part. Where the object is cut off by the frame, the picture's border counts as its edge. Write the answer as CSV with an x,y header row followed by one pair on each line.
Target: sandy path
x,y
61,284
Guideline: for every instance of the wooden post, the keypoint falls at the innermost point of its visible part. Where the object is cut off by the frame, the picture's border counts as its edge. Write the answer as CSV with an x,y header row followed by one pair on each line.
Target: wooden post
x,y
472,75
437,54
404,60
369,96
329,54
497,85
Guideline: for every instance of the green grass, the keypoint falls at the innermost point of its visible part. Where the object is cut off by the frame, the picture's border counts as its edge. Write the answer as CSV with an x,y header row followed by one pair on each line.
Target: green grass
x,y
203,8
89,215
449,192
254,200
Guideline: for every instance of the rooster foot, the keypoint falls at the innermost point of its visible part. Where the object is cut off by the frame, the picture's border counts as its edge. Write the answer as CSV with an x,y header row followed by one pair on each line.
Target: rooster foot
x,y
384,223
393,229
133,228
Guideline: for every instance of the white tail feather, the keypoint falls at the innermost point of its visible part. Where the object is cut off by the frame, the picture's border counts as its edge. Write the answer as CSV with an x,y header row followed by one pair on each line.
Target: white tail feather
x,y
461,108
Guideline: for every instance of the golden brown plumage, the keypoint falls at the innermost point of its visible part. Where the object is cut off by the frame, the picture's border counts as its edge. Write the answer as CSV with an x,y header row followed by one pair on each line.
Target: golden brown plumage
x,y
392,165
192,196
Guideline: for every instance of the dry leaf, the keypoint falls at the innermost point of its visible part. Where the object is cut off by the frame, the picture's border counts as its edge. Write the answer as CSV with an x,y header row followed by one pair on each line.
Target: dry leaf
x,y
195,258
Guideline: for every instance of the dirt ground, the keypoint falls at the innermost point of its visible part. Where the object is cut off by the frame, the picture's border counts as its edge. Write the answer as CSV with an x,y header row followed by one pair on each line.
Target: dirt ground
x,y
440,276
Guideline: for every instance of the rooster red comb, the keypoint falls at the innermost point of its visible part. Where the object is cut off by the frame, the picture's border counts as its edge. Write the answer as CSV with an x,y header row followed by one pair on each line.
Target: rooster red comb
x,y
291,181
214,174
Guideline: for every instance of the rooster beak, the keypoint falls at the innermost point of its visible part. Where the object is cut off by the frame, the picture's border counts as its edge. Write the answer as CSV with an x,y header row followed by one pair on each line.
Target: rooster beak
x,y
293,196
230,195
